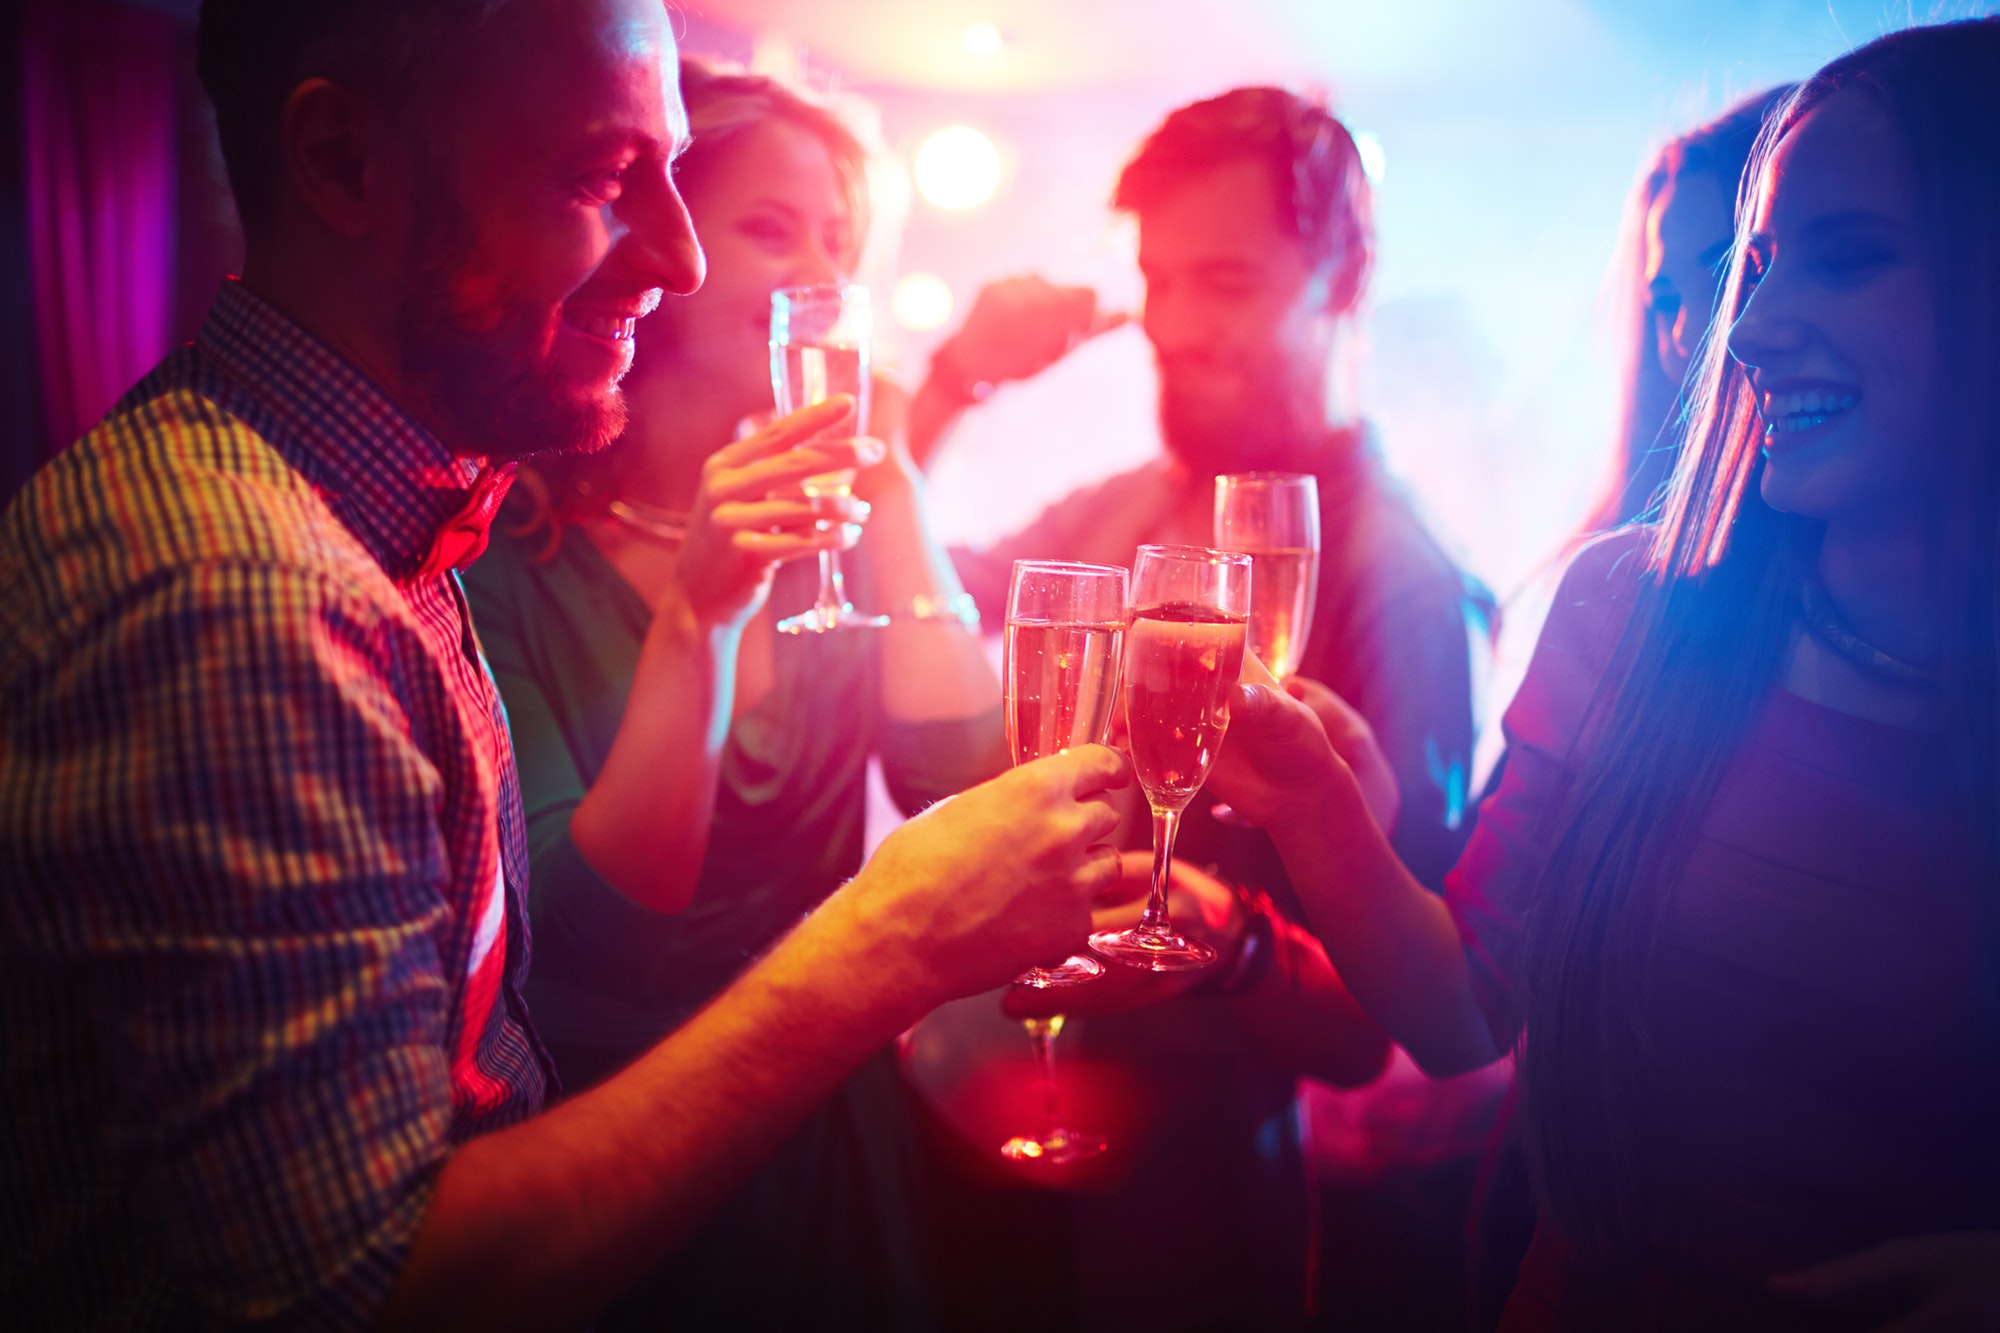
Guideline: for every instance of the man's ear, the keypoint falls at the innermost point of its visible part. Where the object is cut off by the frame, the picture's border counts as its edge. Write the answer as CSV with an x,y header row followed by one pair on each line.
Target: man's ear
x,y
342,156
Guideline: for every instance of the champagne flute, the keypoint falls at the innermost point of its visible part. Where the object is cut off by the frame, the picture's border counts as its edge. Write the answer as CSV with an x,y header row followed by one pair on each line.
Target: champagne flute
x,y
819,347
1272,517
1065,625
1183,654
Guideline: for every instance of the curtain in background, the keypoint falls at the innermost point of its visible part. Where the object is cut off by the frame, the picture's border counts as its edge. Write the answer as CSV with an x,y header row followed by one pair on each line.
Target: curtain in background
x,y
98,113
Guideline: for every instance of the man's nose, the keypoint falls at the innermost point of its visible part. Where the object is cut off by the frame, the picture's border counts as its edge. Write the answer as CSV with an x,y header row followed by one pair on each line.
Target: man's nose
x,y
661,245
1171,325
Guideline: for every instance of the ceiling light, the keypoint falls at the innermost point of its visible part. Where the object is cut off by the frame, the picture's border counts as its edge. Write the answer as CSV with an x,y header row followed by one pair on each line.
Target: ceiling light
x,y
981,39
957,168
921,302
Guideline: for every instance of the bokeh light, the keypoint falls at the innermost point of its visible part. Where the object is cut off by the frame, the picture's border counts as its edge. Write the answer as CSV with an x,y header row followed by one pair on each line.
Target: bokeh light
x,y
921,302
981,39
957,168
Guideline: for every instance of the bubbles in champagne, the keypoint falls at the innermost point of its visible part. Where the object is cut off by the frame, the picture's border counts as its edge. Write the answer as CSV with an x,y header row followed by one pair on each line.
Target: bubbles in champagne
x,y
1281,606
1061,679
1181,662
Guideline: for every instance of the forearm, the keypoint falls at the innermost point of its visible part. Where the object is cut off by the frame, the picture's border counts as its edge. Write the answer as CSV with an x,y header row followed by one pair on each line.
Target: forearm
x,y
644,823
1304,1017
539,1225
1392,942
931,669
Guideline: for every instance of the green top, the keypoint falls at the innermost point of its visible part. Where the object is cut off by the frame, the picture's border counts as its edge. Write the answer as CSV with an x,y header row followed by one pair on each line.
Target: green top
x,y
825,1235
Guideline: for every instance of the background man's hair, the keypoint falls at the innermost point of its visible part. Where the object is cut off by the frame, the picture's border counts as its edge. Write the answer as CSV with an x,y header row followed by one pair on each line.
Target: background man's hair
x,y
1323,194
250,54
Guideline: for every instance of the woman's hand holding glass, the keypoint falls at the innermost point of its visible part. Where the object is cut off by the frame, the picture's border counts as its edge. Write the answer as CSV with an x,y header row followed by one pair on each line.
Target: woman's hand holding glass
x,y
1301,756
749,515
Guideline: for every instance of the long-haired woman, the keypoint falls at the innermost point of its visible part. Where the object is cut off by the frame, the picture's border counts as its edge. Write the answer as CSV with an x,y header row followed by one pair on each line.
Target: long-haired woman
x,y
695,781
1678,226
1737,898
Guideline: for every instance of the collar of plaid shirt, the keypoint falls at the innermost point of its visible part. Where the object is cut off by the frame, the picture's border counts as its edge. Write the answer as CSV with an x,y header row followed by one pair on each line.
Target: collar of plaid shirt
x,y
417,507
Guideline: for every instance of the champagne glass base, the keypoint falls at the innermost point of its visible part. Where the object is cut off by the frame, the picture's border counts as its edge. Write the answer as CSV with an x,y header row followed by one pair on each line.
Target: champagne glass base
x,y
1071,971
826,619
1161,949
1053,1147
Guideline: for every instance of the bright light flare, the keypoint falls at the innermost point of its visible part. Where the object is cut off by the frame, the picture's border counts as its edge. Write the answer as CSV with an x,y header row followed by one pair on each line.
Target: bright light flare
x,y
1373,161
981,39
957,168
921,302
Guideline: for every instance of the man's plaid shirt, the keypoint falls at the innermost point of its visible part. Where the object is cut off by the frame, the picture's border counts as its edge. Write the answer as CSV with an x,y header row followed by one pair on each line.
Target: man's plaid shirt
x,y
261,855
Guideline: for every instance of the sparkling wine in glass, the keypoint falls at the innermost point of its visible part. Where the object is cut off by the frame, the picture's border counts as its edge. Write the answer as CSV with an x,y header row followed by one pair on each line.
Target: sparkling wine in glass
x,y
1065,626
1272,517
1183,654
819,347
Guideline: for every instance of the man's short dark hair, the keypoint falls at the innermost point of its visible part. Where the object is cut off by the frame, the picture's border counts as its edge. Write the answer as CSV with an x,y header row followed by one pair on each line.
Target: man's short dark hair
x,y
1323,193
251,54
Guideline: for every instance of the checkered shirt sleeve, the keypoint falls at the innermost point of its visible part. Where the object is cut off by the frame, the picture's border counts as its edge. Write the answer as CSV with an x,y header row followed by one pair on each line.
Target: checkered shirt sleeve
x,y
238,878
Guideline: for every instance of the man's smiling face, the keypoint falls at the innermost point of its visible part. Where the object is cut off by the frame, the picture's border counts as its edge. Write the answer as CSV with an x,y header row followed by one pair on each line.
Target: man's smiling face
x,y
544,225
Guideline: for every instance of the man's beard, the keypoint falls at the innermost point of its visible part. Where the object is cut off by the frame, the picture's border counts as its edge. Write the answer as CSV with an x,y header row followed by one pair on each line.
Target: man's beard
x,y
491,391
1259,431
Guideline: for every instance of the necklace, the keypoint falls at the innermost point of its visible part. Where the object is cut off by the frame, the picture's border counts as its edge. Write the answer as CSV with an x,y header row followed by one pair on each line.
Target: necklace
x,y
663,524
1827,626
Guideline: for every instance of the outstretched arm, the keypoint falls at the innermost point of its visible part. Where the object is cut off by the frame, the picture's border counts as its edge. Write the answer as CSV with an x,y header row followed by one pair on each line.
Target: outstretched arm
x,y
933,666
1393,943
538,1225
643,825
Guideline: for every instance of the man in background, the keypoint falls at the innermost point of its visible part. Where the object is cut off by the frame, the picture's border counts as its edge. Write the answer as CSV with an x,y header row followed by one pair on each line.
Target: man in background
x,y
1255,243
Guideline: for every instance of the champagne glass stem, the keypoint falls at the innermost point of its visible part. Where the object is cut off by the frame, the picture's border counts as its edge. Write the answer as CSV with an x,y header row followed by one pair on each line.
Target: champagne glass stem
x,y
832,587
1166,823
1042,1034
1055,1145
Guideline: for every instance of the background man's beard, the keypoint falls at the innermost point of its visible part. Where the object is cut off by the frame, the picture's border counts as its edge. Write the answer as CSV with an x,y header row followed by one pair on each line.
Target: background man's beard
x,y
1261,433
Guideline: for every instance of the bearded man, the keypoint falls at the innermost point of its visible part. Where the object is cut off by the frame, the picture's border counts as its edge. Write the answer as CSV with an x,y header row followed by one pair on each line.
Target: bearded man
x,y
263,1054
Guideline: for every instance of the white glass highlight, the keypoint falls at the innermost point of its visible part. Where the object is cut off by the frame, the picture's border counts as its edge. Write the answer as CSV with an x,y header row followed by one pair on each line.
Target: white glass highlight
x,y
819,347
1183,654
